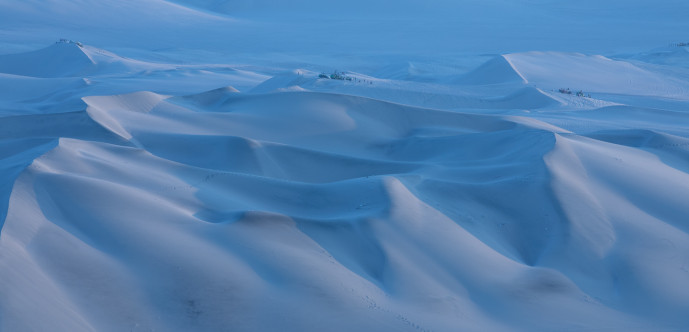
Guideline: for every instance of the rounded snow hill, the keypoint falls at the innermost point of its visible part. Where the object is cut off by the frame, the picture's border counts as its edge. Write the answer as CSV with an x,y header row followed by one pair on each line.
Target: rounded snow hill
x,y
594,74
68,59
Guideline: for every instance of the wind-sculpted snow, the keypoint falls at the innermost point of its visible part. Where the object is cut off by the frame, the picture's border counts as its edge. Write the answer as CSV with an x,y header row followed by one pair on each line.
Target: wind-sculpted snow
x,y
193,197
597,74
302,210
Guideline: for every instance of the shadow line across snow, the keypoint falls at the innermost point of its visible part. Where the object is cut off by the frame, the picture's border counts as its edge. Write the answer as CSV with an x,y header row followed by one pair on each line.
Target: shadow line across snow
x,y
195,204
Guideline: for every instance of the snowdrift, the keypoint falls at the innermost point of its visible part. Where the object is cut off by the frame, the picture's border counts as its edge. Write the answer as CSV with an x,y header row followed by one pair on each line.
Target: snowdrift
x,y
55,78
195,172
66,59
345,212
595,74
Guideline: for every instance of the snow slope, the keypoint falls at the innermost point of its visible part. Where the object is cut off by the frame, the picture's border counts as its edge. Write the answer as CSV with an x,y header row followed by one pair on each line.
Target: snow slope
x,y
532,226
676,56
183,167
595,74
67,59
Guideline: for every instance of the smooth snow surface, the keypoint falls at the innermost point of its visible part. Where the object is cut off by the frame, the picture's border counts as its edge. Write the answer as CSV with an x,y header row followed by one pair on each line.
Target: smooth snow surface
x,y
182,166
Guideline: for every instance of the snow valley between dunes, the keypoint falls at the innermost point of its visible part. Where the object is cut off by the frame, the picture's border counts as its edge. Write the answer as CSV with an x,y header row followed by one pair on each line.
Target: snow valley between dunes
x,y
255,165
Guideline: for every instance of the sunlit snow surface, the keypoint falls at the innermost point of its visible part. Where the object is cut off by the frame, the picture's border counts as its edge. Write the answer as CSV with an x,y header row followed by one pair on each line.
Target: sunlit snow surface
x,y
181,166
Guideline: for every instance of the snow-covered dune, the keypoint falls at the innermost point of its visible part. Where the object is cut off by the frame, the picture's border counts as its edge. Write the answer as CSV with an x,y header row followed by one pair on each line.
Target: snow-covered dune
x,y
595,74
261,165
67,59
496,71
675,55
55,78
305,210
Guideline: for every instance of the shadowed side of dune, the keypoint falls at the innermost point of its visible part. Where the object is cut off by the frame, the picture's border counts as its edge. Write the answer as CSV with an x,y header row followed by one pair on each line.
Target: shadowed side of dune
x,y
195,210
